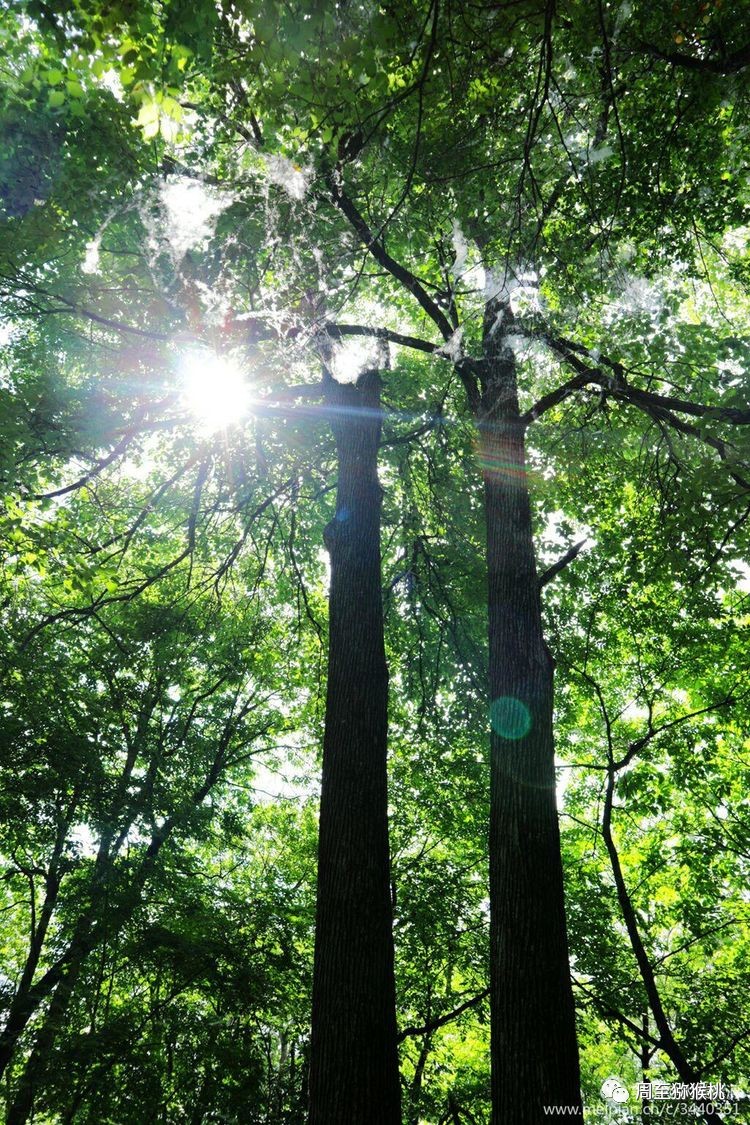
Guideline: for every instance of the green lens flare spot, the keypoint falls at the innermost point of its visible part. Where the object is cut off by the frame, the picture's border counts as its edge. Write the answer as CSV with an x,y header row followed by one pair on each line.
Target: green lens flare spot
x,y
510,718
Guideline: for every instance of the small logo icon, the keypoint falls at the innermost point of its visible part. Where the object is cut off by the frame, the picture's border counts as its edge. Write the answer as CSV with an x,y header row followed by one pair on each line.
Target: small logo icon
x,y
614,1091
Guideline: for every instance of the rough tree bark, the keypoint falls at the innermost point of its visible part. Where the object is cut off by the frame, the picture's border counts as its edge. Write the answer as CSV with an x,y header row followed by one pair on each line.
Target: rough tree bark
x,y
534,1046
354,1060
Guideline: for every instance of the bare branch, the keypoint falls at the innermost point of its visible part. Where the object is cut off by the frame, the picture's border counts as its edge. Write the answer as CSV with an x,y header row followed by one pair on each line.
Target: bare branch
x,y
338,330
376,247
547,402
440,1021
730,64
570,555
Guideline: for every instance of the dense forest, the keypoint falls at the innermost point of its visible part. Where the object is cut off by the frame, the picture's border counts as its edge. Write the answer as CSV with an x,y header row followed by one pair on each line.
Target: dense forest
x,y
375,590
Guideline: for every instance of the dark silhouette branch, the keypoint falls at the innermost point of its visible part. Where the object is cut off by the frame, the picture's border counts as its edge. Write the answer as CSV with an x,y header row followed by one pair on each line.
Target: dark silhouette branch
x,y
663,409
569,556
376,247
75,309
554,398
730,64
667,1041
336,331
636,746
608,1011
440,1021
617,385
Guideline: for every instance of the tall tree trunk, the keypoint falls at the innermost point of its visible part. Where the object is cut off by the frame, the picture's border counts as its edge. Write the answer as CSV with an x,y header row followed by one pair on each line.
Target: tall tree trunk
x,y
354,1060
534,1047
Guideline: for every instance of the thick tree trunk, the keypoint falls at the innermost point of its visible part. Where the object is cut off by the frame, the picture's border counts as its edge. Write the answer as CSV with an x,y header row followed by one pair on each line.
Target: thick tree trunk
x,y
354,1061
534,1047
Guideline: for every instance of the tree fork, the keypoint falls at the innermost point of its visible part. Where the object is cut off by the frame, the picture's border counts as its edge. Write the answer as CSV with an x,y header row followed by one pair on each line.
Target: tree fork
x,y
353,1057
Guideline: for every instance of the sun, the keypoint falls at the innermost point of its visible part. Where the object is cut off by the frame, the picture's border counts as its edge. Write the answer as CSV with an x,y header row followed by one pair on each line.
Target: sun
x,y
214,390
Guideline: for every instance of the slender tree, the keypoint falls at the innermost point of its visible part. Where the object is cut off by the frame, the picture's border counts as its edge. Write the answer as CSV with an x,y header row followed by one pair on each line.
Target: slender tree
x,y
354,1060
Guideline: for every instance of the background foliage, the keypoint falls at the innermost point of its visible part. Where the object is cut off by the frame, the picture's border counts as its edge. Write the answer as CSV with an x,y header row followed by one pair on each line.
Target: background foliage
x,y
163,595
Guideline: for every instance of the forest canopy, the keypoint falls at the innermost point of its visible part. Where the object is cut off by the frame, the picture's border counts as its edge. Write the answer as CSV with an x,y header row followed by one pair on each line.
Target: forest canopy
x,y
374,611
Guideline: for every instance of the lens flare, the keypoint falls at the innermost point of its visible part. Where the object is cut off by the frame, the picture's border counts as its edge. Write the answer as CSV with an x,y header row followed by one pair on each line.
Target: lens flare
x,y
510,718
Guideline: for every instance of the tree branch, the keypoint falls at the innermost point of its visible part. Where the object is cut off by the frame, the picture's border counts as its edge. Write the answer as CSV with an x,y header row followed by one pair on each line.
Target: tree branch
x,y
636,746
377,248
338,330
730,64
616,384
607,1010
661,408
569,556
440,1021
73,308
547,402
